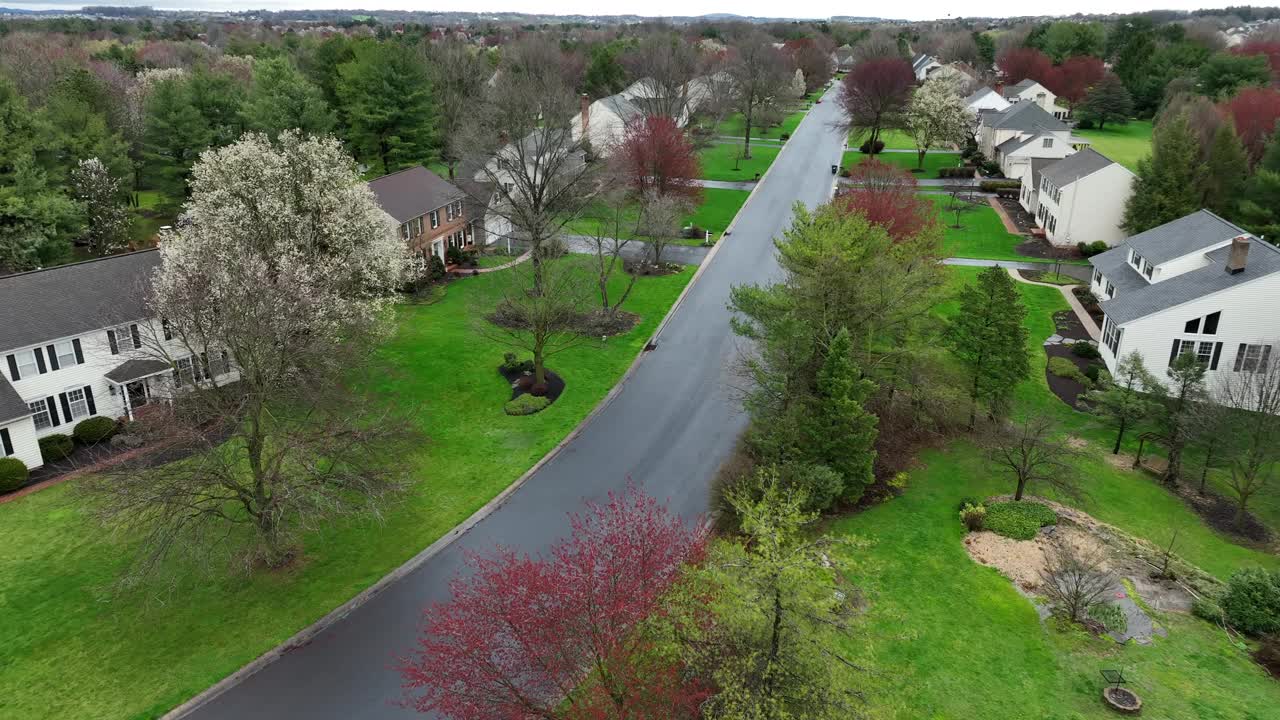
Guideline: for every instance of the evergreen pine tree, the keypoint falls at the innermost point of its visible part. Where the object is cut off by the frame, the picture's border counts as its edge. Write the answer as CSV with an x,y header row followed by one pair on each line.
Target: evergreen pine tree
x,y
174,135
1170,182
283,99
386,102
988,338
839,432
1226,171
1108,101
1260,207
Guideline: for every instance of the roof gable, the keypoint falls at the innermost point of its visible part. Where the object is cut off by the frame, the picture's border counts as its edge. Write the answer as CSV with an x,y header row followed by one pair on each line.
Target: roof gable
x,y
412,192
1027,117
1184,236
1076,166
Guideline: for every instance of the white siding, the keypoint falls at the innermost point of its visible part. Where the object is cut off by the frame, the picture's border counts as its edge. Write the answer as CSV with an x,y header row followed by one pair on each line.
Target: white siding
x,y
25,445
1090,208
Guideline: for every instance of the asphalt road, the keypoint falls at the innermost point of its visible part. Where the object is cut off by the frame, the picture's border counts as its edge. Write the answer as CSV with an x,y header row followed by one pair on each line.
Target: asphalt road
x,y
668,429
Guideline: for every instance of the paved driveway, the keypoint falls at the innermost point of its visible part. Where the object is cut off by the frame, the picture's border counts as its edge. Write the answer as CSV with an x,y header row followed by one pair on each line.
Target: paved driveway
x,y
669,429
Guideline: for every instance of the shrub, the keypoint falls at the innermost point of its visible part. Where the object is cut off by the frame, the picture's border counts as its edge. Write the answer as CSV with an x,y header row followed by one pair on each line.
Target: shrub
x,y
512,365
991,168
1110,615
821,484
435,268
1091,249
56,447
785,137
453,256
524,382
1252,601
538,389
974,517
525,405
994,185
865,147
1064,368
13,474
844,172
956,172
1019,519
1096,374
1207,608
1085,350
94,430
968,500
693,232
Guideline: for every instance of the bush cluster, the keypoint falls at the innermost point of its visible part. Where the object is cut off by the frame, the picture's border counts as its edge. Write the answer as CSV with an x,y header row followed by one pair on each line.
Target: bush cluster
x,y
1019,519
865,147
1093,248
693,232
1252,601
1064,368
1207,608
955,172
1085,350
1110,615
13,474
974,517
56,447
94,430
994,185
511,364
526,405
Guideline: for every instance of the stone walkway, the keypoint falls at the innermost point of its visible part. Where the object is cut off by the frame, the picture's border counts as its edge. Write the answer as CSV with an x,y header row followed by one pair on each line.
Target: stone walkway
x,y
527,254
727,184
1085,318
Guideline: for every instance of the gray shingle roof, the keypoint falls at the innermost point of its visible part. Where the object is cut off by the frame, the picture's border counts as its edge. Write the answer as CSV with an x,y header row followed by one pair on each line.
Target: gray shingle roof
x,y
11,404
1019,87
1038,166
1075,166
73,299
1183,236
136,369
1264,259
1027,117
978,94
1114,265
411,192
622,106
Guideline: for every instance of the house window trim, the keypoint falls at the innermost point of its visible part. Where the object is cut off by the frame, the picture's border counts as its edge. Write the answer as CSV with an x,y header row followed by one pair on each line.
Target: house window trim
x,y
43,411
79,408
27,370
68,359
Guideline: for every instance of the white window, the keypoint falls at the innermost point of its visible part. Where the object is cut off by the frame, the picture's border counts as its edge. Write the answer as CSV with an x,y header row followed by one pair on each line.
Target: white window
x,y
1111,336
457,208
448,212
1252,358
417,226
435,219
1048,142
75,401
404,231
1204,352
40,414
26,363
1111,289
66,354
186,371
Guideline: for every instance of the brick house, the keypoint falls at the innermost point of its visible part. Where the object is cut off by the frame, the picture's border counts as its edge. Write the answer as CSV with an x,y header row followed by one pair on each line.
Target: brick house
x,y
432,212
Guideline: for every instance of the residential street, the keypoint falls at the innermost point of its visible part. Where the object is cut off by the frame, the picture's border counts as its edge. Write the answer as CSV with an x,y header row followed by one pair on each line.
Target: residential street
x,y
669,428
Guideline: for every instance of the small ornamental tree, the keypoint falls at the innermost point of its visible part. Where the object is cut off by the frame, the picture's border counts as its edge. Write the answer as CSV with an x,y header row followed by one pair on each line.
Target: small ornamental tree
x,y
1072,79
988,338
657,156
1123,400
936,116
561,636
1181,394
875,95
886,196
107,218
1020,63
1032,453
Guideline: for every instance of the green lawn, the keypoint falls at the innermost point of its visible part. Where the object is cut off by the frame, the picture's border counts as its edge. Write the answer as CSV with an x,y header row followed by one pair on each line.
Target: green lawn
x,y
981,233
155,209
947,638
719,161
892,139
1126,144
719,207
908,161
70,652
733,126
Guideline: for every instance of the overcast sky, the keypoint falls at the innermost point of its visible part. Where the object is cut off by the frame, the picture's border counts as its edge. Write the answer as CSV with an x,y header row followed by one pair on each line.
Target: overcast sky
x,y
910,9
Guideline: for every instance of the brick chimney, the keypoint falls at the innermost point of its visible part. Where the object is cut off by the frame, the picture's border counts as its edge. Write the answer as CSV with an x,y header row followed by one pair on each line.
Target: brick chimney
x,y
585,102
1239,256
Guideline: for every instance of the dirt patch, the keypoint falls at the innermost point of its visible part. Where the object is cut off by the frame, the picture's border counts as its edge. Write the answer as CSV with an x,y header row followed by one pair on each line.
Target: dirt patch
x,y
1219,512
1022,561
1077,443
602,323
1121,461
555,383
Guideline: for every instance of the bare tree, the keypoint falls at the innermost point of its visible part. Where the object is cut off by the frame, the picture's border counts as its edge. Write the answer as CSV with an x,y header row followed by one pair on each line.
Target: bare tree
x,y
607,244
458,74
1032,453
660,217
1075,579
1252,432
544,322
878,45
714,96
663,65
759,74
268,305
522,141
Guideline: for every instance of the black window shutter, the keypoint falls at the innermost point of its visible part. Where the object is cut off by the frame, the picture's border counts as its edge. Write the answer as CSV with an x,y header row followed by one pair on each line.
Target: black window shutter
x,y
137,337
1217,353
1211,323
66,407
51,405
1266,357
111,340
39,360
13,368
88,398
1239,357
53,358
79,353
1173,354
5,442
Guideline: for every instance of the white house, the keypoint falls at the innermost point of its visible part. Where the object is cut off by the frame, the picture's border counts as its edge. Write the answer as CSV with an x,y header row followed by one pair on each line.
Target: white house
x,y
1198,286
1018,121
78,342
1029,193
923,64
984,98
1081,198
1016,154
604,122
1031,91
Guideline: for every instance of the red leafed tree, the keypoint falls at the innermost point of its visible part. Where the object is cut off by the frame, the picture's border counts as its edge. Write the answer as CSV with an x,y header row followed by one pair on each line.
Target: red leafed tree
x,y
557,637
886,196
875,94
1255,111
656,155
1072,79
1019,63
1270,48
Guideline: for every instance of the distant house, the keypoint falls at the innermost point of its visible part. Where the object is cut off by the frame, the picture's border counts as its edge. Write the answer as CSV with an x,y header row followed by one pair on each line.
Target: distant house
x,y
1016,154
1081,198
1197,286
1031,91
1019,120
984,98
1029,193
923,64
960,75
843,57
430,211
604,122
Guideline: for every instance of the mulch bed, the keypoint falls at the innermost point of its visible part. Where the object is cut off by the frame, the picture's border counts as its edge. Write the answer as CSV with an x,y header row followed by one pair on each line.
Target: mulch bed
x,y
555,384
1089,302
1022,219
594,324
1067,324
1219,512
648,269
1067,389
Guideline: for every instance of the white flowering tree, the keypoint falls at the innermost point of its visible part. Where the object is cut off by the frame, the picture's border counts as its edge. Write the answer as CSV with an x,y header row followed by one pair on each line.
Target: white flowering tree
x,y
937,116
796,89
268,303
107,218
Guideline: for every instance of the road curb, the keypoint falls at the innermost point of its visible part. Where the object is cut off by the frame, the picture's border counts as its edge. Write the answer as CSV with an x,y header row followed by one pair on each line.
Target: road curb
x,y
307,634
